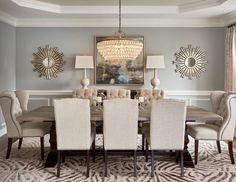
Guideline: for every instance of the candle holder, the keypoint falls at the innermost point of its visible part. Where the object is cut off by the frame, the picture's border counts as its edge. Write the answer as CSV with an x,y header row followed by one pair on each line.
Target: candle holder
x,y
141,101
99,104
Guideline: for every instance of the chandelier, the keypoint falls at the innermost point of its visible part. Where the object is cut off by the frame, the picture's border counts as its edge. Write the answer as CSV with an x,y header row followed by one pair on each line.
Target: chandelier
x,y
120,47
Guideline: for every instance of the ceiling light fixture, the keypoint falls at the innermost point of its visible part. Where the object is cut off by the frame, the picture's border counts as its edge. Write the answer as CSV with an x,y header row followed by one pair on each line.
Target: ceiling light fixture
x,y
120,47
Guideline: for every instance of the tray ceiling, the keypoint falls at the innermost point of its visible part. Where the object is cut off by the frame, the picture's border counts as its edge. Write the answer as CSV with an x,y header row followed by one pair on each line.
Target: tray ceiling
x,y
103,13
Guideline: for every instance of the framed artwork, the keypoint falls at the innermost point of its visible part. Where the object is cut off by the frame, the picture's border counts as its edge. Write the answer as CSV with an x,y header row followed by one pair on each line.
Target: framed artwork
x,y
119,72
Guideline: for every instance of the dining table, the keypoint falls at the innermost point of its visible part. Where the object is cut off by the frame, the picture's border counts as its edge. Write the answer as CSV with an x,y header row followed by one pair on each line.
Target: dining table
x,y
46,114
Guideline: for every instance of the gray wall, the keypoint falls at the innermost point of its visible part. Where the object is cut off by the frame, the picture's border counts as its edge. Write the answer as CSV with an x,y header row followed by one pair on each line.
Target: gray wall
x,y
79,41
7,61
7,56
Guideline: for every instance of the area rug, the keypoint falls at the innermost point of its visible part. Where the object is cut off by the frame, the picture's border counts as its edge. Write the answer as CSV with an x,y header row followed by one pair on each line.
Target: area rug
x,y
25,165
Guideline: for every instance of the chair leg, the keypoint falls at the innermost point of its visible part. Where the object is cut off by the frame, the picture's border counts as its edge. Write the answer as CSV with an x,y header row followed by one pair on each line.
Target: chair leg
x,y
58,163
146,153
182,163
9,148
135,160
231,154
63,156
88,160
42,147
218,146
152,163
20,143
94,150
196,151
105,159
143,142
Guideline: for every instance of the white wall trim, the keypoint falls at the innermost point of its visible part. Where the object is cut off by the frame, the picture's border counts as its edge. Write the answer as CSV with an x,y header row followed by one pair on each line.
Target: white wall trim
x,y
6,18
37,99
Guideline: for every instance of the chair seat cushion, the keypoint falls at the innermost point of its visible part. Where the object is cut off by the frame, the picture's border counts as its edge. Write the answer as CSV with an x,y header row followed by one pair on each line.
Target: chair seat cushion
x,y
35,129
201,131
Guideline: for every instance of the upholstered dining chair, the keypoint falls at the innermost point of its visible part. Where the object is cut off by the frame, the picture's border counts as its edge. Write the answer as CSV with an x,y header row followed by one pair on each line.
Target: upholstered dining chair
x,y
13,104
224,104
120,128
89,93
118,93
73,127
161,135
149,95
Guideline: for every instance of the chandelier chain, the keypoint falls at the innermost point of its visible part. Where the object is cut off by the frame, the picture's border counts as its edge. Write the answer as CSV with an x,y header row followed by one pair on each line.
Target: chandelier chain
x,y
120,16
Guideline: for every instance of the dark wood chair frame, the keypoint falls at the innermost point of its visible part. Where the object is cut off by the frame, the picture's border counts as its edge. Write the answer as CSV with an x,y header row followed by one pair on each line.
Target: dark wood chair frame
x,y
179,154
230,149
11,140
135,162
61,158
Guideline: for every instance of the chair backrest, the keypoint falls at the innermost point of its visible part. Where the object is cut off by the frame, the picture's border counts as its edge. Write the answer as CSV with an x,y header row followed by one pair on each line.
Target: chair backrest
x,y
23,97
89,93
120,124
226,109
151,94
11,109
118,93
73,126
167,125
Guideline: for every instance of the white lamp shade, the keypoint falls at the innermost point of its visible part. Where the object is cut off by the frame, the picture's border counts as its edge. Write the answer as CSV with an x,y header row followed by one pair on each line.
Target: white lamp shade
x,y
155,62
84,62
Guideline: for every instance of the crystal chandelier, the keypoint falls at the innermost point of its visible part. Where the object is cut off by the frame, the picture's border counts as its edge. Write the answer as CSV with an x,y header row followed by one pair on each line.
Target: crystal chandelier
x,y
120,47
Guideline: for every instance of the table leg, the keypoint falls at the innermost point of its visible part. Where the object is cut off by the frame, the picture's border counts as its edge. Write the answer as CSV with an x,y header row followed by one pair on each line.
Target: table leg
x,y
52,156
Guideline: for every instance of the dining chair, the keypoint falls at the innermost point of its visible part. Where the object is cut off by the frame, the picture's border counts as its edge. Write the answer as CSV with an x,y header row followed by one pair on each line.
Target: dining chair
x,y
89,93
120,128
149,95
118,93
13,104
166,130
224,104
73,127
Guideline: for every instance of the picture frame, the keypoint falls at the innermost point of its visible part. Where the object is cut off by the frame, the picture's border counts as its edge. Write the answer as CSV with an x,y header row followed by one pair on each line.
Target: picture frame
x,y
119,72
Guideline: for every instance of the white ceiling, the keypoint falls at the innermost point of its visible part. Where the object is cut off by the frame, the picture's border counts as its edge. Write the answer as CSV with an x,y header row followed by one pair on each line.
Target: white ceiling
x,y
115,2
104,13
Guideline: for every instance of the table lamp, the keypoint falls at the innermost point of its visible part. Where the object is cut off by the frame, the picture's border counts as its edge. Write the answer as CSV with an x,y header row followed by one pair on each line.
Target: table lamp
x,y
84,62
154,62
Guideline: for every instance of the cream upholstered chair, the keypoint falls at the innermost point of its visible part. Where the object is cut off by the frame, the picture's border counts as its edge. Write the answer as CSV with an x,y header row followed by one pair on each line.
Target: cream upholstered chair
x,y
224,104
89,93
149,95
12,105
118,93
161,135
73,127
120,128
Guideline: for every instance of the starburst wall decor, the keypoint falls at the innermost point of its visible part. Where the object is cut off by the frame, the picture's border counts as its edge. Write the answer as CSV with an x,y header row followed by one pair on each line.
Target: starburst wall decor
x,y
190,62
48,62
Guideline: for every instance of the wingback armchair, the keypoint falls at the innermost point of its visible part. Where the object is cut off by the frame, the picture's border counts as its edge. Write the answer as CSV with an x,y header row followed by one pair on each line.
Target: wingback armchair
x,y
224,104
13,104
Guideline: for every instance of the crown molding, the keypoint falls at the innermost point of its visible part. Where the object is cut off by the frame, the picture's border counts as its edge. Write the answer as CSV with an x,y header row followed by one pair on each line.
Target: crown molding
x,y
6,18
198,5
230,18
127,22
39,5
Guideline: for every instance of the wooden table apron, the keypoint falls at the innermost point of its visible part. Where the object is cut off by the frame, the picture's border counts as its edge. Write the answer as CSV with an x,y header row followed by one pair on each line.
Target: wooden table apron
x,y
46,114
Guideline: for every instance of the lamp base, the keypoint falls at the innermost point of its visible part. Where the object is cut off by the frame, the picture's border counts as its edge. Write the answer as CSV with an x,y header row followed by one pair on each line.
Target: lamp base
x,y
84,82
155,82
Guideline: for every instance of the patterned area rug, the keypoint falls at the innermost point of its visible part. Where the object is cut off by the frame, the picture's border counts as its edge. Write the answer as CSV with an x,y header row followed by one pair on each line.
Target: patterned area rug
x,y
25,165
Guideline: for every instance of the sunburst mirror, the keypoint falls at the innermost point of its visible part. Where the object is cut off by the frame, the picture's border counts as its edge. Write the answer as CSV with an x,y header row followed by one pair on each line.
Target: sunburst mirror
x,y
190,62
48,62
